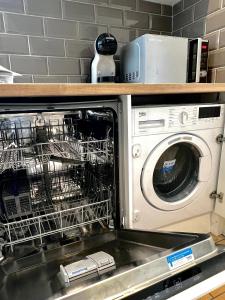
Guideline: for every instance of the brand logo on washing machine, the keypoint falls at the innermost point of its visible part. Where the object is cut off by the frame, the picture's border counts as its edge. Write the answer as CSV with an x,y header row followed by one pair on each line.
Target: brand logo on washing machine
x,y
142,114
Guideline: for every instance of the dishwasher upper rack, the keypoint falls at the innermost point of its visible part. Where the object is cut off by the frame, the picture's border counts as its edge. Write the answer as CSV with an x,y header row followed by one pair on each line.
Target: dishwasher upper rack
x,y
82,202
20,145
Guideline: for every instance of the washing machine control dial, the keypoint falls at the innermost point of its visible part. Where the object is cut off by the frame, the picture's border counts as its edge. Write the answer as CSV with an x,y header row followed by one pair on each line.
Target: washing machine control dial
x,y
183,117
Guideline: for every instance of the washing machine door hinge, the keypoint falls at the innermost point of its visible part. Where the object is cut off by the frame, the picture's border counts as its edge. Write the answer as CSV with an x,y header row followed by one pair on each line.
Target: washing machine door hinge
x,y
220,139
215,195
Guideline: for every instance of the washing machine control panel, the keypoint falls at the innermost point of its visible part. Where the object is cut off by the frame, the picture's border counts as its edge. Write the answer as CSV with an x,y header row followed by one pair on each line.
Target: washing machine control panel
x,y
157,119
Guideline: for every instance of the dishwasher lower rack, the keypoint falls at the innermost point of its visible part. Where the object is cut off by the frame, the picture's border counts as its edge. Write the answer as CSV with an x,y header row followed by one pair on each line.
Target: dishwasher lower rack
x,y
56,222
58,202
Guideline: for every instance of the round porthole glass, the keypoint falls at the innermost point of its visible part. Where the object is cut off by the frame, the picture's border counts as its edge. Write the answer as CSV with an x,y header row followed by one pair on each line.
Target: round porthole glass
x,y
176,172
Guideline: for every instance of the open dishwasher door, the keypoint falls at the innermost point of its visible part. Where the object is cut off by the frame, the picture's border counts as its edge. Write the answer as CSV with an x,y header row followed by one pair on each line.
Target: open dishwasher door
x,y
60,174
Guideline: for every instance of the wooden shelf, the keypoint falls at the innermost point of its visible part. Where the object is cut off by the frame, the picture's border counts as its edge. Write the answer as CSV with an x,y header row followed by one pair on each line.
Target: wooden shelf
x,y
84,89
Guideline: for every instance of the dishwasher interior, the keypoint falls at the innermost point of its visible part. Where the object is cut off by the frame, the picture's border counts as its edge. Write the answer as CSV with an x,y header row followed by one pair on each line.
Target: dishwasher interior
x,y
56,177
60,182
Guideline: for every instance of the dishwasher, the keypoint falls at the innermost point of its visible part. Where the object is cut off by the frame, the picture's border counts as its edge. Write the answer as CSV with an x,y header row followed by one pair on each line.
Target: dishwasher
x,y
62,165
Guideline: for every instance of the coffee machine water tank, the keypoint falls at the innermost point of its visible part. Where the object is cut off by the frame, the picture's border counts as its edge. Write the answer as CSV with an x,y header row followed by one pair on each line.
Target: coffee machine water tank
x,y
103,68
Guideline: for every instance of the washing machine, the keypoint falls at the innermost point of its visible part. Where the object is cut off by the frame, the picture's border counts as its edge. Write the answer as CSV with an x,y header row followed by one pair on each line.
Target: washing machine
x,y
175,164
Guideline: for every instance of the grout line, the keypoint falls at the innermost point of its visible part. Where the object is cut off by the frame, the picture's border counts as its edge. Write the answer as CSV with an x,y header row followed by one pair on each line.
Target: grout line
x,y
61,6
95,15
43,24
24,6
10,64
48,65
64,44
4,23
218,39
28,41
45,56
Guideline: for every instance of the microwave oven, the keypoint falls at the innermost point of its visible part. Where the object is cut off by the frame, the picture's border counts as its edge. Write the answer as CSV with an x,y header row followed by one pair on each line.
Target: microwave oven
x,y
164,59
154,58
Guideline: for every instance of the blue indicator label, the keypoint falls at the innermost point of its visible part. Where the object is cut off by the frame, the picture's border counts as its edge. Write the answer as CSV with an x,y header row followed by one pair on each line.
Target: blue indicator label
x,y
180,258
168,166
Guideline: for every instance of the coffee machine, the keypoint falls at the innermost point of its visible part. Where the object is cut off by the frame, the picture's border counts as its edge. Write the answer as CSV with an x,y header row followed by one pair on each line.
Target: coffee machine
x,y
103,68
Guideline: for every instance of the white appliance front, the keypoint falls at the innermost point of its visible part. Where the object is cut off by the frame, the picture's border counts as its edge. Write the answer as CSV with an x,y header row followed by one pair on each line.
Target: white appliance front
x,y
154,58
175,163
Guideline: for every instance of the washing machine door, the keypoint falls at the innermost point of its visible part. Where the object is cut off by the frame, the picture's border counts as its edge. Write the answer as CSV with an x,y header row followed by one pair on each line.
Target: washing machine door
x,y
176,171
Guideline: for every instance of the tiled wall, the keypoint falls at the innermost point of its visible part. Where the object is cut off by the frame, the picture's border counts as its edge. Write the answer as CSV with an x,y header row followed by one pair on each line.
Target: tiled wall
x,y
52,40
193,18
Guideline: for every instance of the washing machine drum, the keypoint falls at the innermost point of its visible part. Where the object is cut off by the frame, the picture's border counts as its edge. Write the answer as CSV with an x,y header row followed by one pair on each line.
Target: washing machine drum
x,y
176,171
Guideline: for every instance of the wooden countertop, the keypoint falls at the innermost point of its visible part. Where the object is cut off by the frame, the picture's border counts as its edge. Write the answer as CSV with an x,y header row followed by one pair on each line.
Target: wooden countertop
x,y
84,89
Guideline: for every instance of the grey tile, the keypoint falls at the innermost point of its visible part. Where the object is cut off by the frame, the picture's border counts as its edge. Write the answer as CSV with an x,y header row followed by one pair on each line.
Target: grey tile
x,y
124,4
111,16
213,40
61,28
205,7
123,35
177,8
167,10
149,7
217,58
211,75
2,28
13,44
161,23
215,21
89,31
12,5
79,49
117,55
188,3
183,18
220,75
63,66
146,31
194,30
117,62
177,33
77,79
50,8
47,46
166,33
100,2
136,19
50,79
23,79
78,11
85,66
4,61
222,38
23,24
29,64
